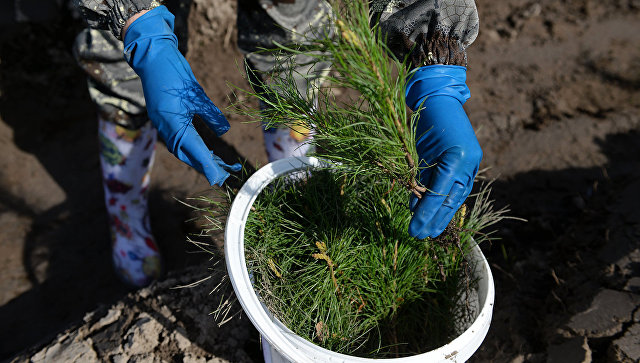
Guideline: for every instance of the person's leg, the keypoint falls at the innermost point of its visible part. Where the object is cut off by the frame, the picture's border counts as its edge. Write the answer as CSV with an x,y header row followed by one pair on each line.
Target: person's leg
x,y
127,145
126,157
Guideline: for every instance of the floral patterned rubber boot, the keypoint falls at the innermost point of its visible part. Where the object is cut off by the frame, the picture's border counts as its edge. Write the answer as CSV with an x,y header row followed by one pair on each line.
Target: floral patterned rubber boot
x,y
127,157
281,143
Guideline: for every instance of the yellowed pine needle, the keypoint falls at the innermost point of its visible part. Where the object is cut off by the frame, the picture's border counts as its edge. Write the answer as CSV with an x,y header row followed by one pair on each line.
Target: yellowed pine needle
x,y
323,256
463,213
384,202
395,256
272,266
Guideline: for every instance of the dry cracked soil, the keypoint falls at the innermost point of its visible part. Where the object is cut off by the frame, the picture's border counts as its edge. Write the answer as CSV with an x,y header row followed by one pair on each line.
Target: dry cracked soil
x,y
555,102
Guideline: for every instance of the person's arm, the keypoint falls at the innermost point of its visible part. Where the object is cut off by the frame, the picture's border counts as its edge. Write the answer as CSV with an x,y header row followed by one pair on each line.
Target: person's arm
x,y
129,21
173,95
428,32
433,36
113,14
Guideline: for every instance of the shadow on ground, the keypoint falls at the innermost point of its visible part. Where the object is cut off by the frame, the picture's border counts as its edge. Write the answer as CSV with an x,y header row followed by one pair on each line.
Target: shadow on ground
x,y
582,238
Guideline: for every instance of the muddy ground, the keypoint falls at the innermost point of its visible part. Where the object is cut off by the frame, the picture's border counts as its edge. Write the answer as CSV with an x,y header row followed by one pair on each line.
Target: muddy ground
x,y
555,102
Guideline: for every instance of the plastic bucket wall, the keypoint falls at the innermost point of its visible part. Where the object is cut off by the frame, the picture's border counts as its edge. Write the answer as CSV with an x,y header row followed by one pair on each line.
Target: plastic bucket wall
x,y
284,345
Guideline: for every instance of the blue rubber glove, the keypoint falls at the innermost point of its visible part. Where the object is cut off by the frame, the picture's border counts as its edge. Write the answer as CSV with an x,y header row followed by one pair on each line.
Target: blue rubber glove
x,y
447,146
172,93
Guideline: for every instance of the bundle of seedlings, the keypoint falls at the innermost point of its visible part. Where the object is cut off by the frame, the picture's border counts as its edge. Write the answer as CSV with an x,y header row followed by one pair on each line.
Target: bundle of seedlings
x,y
329,249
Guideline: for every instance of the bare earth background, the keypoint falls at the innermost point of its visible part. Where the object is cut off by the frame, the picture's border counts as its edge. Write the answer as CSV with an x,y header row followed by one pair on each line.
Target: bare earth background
x,y
555,102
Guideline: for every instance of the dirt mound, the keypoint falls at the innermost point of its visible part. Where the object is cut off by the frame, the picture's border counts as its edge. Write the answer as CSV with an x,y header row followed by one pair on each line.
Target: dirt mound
x,y
164,322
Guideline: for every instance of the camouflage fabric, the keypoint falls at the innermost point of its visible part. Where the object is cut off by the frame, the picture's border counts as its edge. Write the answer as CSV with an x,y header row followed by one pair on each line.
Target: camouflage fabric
x,y
113,86
112,14
428,32
263,22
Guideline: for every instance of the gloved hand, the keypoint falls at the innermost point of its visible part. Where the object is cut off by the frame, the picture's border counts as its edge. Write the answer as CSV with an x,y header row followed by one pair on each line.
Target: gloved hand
x,y
447,146
172,93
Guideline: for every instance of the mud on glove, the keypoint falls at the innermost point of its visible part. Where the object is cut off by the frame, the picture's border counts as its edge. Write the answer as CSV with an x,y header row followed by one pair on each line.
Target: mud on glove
x,y
173,94
447,146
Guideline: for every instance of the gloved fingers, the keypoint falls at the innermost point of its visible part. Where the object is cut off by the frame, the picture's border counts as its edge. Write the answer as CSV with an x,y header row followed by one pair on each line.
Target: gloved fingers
x,y
193,98
440,221
425,211
212,116
425,178
215,174
441,178
450,206
425,174
459,192
413,202
442,213
193,151
438,189
233,167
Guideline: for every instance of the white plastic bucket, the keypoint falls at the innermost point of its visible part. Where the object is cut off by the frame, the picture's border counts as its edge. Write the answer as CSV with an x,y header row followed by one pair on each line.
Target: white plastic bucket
x,y
286,346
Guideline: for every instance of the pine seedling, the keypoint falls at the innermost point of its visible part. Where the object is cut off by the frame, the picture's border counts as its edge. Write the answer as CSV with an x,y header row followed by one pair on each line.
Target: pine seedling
x,y
370,132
